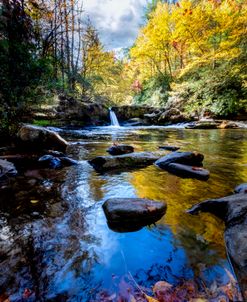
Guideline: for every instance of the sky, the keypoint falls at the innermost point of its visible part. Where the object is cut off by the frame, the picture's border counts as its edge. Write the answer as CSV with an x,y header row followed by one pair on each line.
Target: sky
x,y
117,21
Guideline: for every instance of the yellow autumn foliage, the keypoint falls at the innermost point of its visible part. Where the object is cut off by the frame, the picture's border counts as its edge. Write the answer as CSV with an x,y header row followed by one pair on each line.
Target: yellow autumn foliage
x,y
181,35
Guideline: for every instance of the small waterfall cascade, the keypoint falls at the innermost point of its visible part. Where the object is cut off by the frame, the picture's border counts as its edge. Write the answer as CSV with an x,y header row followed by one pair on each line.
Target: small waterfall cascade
x,y
113,117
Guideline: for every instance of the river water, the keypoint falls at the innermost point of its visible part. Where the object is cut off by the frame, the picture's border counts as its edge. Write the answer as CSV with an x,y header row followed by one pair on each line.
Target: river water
x,y
55,244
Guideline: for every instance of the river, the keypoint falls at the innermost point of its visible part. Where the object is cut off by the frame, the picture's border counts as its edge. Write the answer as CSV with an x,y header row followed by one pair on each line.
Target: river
x,y
55,244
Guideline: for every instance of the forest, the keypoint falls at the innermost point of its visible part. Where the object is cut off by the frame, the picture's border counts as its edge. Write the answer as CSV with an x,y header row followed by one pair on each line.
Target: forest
x,y
123,170
191,52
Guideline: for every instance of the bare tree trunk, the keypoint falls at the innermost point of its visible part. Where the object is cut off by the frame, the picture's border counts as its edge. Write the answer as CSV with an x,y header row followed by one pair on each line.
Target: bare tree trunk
x,y
55,39
67,44
72,4
62,45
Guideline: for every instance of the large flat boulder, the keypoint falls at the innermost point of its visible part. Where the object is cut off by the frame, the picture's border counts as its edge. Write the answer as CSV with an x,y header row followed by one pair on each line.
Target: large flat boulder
x,y
233,210
188,171
120,149
7,169
185,158
129,214
39,138
126,161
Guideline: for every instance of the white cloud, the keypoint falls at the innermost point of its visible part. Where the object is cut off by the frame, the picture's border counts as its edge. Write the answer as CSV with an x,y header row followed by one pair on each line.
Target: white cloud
x,y
117,21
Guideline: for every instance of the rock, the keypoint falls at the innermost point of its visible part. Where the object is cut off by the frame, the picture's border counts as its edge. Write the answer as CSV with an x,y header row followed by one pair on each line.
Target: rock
x,y
169,148
7,169
39,138
228,125
241,188
203,125
85,111
134,213
125,113
49,161
55,153
233,210
188,171
170,115
135,122
120,149
186,158
132,160
67,162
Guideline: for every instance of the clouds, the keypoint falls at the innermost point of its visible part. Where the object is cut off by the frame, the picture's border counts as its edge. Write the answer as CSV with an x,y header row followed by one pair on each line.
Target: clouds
x,y
117,21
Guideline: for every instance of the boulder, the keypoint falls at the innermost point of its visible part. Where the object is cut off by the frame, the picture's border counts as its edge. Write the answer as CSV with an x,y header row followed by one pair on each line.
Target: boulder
x,y
203,125
128,112
169,148
7,169
50,161
39,138
135,122
85,111
132,212
185,158
233,210
166,115
228,125
241,188
120,149
131,160
188,171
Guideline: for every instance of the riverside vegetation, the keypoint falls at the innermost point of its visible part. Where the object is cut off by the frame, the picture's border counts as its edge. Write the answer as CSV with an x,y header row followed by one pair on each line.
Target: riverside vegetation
x,y
189,55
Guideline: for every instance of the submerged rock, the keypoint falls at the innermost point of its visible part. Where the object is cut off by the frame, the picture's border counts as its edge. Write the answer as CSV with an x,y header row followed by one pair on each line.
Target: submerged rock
x,y
39,138
186,158
128,214
241,188
120,149
132,160
233,210
7,169
169,148
188,171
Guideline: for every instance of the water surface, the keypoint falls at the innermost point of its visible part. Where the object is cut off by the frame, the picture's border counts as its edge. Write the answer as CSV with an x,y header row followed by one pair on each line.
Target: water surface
x,y
55,241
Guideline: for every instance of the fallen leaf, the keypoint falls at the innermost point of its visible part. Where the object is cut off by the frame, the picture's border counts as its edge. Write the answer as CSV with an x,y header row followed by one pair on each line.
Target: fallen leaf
x,y
34,201
150,299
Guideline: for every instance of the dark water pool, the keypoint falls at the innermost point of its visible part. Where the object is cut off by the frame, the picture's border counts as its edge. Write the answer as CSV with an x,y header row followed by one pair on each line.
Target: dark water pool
x,y
55,244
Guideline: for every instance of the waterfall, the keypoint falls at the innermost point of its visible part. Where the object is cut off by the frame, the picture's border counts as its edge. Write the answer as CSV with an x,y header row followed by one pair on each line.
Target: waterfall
x,y
114,120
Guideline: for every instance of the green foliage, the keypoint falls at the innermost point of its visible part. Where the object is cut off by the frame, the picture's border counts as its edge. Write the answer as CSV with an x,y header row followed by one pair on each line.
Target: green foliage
x,y
25,75
154,91
218,91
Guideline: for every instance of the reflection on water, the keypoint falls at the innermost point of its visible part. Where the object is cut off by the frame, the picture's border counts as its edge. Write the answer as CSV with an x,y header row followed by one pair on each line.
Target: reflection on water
x,y
61,248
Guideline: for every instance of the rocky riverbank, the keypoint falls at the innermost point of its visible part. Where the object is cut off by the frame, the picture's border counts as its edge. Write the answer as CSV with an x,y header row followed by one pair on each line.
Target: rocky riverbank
x,y
233,210
95,112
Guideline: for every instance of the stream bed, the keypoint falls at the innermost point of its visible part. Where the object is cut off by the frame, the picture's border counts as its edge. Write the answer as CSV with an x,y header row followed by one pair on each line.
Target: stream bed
x,y
55,244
